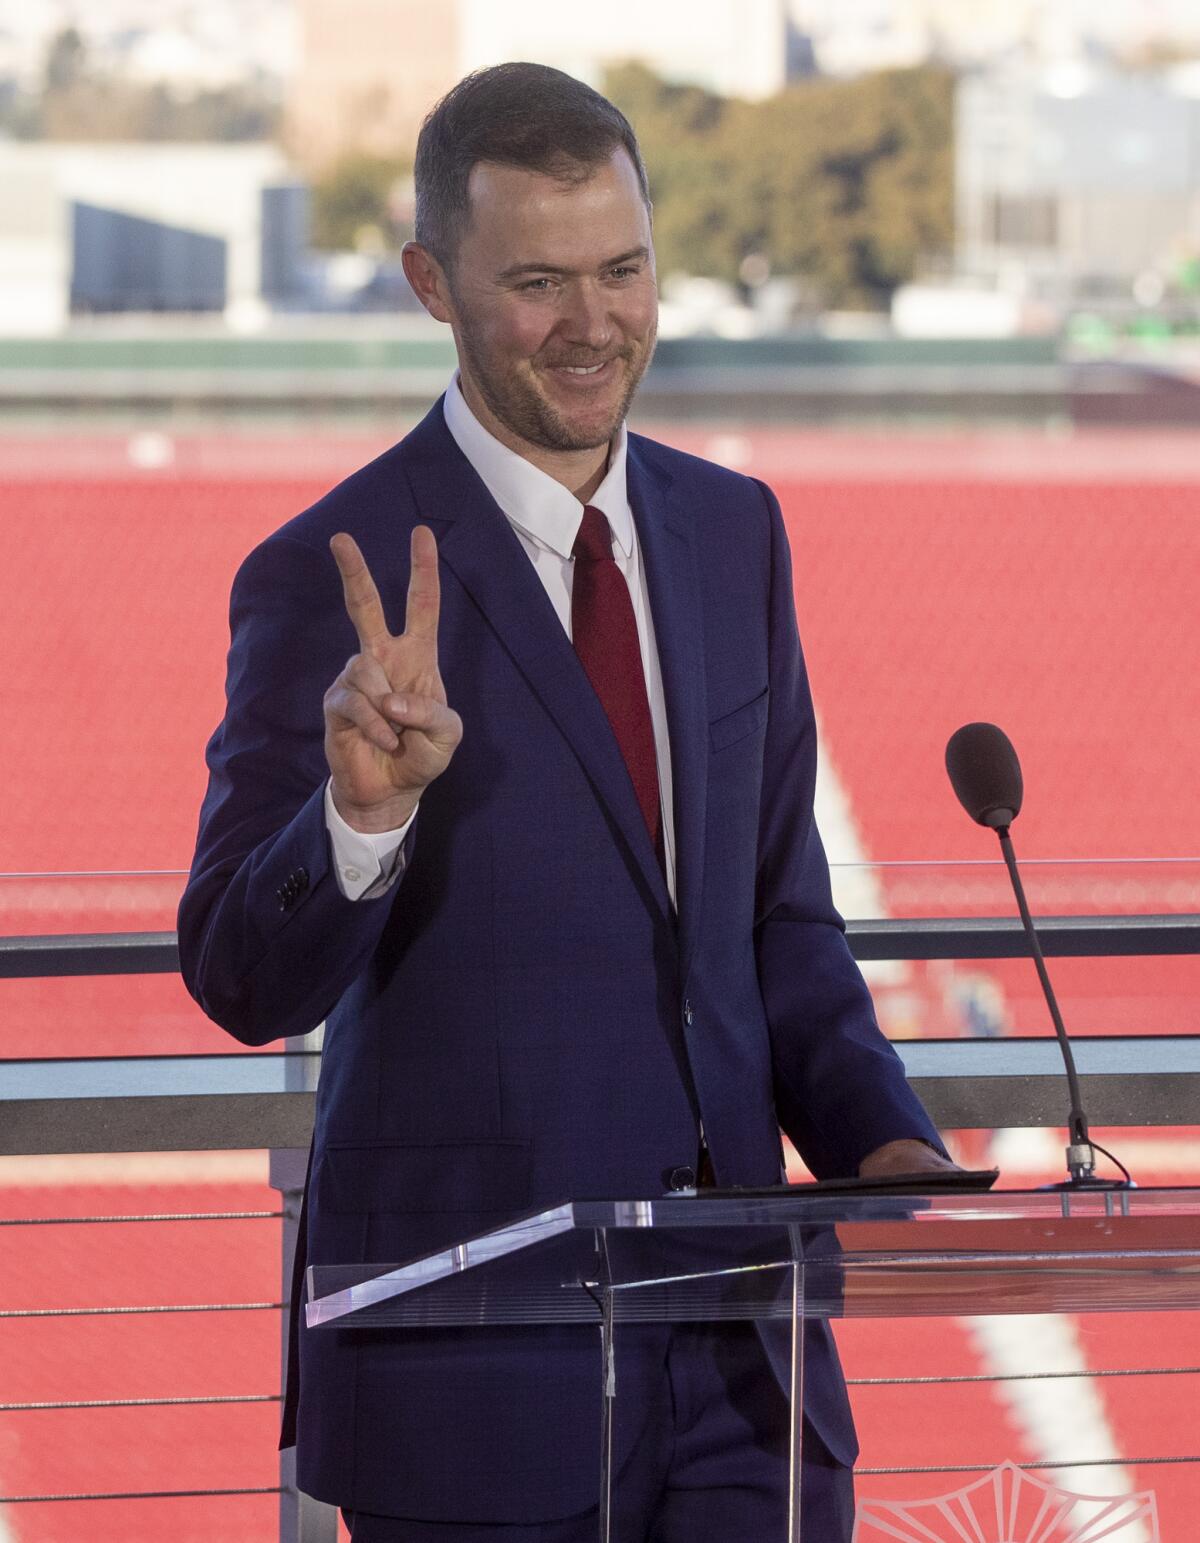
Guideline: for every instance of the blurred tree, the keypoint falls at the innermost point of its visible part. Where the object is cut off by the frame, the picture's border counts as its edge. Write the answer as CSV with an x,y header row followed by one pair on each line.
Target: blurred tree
x,y
242,111
66,60
68,88
844,183
360,203
1154,54
78,102
20,111
679,128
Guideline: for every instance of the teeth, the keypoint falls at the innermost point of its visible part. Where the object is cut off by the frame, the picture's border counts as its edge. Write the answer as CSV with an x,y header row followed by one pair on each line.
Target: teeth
x,y
581,369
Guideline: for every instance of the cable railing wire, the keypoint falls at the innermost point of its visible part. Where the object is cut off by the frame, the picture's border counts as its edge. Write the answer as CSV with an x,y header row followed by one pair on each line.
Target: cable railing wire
x,y
862,1473
141,1403
854,1382
100,1312
141,1494
1062,1462
158,1216
1124,1371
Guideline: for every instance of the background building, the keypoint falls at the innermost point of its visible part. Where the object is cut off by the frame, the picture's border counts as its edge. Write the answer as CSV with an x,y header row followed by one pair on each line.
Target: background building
x,y
370,70
1076,182
177,42
850,36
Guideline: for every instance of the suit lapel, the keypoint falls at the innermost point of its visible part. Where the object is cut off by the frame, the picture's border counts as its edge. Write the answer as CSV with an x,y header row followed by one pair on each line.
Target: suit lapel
x,y
667,538
479,546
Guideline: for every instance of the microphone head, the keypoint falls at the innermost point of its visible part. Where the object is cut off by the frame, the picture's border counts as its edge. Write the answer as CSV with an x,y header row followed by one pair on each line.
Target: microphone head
x,y
985,774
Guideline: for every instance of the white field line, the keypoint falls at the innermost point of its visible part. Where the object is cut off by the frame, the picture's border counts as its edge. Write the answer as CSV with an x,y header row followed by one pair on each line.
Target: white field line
x,y
857,891
1058,1419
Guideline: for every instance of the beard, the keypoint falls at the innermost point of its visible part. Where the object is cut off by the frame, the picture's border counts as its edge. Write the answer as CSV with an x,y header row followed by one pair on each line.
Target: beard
x,y
518,404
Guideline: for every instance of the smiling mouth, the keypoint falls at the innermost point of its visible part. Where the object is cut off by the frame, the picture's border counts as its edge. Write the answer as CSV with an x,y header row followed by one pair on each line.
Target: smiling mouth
x,y
584,374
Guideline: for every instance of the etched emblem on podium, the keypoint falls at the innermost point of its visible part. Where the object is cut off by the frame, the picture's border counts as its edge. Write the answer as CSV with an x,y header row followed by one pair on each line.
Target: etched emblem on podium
x,y
1009,1505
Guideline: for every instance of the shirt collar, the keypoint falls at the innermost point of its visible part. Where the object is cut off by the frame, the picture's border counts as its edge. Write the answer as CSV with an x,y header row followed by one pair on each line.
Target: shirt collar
x,y
531,499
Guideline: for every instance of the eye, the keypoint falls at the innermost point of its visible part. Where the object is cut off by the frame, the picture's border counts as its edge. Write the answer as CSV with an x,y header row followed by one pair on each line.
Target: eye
x,y
624,271
535,286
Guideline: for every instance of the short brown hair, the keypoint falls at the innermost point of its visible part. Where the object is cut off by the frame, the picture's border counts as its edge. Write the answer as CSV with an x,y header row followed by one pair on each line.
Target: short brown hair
x,y
526,115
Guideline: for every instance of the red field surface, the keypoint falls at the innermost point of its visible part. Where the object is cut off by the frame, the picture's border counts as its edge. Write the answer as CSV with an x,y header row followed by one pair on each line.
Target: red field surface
x,y
1047,585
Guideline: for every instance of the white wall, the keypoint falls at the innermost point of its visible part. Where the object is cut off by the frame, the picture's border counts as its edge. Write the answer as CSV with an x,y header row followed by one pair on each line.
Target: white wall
x,y
210,188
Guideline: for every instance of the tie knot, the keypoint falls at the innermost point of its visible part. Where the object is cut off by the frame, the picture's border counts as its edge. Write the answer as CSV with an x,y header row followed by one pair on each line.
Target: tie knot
x,y
594,541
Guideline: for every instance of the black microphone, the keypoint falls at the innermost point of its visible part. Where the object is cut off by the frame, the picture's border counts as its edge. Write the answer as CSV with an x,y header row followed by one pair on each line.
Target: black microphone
x,y
986,776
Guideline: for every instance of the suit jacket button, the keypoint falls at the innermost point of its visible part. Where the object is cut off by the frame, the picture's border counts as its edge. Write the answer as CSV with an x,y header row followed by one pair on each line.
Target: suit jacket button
x,y
300,878
682,1177
687,1014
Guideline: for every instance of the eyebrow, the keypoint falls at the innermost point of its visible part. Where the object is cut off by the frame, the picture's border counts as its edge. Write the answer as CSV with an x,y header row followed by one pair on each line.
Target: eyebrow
x,y
611,262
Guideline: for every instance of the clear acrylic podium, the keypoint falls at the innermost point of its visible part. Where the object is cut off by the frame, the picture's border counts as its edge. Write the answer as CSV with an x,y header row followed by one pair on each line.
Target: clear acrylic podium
x,y
784,1255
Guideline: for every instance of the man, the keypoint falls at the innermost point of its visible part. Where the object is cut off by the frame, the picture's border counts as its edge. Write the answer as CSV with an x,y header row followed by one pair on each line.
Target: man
x,y
546,865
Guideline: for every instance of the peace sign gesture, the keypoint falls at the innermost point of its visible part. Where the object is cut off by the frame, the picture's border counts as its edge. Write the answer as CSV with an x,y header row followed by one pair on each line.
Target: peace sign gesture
x,y
388,730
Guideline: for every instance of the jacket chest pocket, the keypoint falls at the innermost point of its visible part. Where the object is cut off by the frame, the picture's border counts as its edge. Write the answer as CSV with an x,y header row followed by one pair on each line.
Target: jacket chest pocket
x,y
743,721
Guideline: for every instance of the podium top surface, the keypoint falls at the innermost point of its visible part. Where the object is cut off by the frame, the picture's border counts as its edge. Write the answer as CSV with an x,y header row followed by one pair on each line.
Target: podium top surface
x,y
698,1257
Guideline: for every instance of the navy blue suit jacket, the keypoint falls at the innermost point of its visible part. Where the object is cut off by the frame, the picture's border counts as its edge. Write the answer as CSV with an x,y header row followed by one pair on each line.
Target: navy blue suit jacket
x,y
523,1019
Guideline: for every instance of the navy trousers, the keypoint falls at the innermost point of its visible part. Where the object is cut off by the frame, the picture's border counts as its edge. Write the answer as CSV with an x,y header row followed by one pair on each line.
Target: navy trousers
x,y
712,1466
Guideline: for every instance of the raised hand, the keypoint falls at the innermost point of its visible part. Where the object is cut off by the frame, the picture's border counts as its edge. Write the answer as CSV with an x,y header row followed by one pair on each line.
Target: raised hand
x,y
388,730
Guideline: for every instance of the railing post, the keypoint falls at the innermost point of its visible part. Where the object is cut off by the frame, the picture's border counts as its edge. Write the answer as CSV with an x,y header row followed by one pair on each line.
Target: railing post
x,y
301,1518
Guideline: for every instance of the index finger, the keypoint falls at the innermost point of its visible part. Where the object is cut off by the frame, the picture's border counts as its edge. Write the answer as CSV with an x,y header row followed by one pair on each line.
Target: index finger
x,y
363,604
424,587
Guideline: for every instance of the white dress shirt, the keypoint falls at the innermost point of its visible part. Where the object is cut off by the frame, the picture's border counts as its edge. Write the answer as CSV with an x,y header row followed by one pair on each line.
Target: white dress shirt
x,y
546,518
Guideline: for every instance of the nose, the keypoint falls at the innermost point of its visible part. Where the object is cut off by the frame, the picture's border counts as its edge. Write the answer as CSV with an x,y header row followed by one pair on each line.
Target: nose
x,y
585,319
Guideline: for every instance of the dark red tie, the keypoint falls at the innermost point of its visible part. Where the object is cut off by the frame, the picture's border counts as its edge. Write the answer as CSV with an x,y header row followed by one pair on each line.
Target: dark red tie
x,y
604,631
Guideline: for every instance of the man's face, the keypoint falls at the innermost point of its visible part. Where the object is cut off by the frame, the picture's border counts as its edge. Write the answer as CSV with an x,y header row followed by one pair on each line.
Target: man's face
x,y
553,301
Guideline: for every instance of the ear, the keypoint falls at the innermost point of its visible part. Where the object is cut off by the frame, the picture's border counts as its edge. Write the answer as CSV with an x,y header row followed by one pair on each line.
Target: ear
x,y
428,280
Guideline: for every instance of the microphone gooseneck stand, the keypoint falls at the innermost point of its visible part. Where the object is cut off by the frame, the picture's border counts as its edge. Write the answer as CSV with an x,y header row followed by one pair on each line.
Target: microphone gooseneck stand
x,y
1081,1150
986,776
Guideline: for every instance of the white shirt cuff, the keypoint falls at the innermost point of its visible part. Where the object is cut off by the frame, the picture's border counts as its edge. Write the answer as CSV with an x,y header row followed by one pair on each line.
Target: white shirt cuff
x,y
366,865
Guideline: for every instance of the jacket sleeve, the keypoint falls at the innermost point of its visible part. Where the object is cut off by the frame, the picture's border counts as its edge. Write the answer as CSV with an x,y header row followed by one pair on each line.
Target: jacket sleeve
x,y
267,941
840,1088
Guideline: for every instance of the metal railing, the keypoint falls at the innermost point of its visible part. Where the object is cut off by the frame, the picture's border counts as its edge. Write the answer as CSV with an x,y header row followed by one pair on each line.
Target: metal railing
x,y
240,1101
